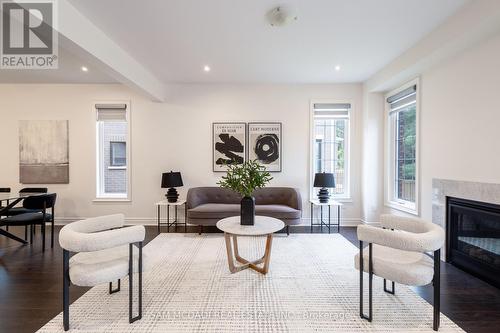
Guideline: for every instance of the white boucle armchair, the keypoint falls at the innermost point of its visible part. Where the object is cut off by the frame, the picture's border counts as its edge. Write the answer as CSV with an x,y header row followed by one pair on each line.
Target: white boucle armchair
x,y
104,253
398,252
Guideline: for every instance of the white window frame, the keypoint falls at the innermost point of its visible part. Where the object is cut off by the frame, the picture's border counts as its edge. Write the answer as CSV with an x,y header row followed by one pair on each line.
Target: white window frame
x,y
390,151
346,196
99,155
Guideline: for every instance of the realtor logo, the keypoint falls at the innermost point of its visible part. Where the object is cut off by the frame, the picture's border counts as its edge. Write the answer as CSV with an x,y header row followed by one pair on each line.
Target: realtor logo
x,y
29,38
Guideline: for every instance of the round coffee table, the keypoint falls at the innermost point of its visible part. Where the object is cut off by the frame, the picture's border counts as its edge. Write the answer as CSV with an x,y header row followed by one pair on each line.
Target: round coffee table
x,y
264,226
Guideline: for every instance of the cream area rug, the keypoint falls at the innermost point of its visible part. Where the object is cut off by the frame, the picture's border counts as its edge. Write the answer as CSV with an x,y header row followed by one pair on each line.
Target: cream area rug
x,y
311,286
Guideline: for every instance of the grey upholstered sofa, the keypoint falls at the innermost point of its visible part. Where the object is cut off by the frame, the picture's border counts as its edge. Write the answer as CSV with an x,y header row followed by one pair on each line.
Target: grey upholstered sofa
x,y
207,205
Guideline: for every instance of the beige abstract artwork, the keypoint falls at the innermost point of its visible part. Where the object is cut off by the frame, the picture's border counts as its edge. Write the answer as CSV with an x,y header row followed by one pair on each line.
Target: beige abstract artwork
x,y
43,152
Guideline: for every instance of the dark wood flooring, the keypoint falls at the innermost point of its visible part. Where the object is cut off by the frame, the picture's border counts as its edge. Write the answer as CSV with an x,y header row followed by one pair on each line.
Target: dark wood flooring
x,y
31,294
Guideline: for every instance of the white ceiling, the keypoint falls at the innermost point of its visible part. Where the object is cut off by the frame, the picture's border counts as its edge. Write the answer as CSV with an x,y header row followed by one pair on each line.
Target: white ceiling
x,y
174,39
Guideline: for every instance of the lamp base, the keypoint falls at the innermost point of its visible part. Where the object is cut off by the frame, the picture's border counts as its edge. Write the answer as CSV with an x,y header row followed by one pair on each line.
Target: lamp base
x,y
323,195
172,195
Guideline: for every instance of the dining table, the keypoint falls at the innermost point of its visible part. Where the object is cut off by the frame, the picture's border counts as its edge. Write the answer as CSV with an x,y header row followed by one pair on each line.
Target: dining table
x,y
9,200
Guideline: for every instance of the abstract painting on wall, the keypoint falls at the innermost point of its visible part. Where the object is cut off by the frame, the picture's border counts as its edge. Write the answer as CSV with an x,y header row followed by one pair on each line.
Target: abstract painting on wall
x,y
43,152
265,145
229,144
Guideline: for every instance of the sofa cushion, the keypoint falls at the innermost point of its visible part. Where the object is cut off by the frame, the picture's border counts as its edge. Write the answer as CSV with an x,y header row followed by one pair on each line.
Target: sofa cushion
x,y
220,211
277,211
214,211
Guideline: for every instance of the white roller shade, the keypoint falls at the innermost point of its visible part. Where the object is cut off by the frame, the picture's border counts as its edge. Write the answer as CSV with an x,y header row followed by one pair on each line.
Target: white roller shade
x,y
403,98
111,112
340,110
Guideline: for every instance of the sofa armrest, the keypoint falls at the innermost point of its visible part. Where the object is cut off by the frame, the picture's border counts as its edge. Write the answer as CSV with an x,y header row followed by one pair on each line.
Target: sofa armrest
x,y
295,200
193,198
75,241
402,240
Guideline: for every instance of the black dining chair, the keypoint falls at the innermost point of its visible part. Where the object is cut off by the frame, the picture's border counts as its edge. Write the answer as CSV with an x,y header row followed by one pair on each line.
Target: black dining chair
x,y
21,210
38,205
4,190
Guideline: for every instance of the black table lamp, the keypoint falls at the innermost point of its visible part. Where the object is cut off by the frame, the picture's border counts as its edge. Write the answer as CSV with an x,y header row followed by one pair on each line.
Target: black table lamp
x,y
324,181
171,180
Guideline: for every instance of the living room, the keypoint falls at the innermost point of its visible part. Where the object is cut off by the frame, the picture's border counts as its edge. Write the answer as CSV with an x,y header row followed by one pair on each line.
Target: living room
x,y
386,106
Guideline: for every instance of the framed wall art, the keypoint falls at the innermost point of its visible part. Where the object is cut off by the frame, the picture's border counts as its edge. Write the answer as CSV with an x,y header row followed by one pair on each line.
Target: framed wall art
x,y
264,144
228,145
43,152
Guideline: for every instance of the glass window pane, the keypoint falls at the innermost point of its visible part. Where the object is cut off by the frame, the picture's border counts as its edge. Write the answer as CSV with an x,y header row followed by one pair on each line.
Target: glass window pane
x,y
329,150
405,152
118,153
113,157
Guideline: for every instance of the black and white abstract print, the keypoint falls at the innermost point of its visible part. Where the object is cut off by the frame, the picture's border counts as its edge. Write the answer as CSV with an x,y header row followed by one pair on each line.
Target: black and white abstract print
x,y
265,145
229,144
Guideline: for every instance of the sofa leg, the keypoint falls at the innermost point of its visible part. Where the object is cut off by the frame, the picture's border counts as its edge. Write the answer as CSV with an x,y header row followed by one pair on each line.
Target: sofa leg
x,y
370,282
392,291
111,290
200,230
288,230
131,283
66,290
437,289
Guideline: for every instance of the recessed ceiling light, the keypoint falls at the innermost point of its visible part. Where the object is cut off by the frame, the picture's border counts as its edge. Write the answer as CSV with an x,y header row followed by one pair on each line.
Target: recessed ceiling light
x,y
337,68
206,68
84,69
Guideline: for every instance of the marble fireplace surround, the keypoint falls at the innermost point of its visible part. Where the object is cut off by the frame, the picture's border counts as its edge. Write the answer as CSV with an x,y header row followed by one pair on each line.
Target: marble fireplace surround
x,y
442,188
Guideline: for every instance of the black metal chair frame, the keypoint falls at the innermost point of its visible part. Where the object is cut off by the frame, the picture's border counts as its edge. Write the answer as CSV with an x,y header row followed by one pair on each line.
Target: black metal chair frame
x,y
67,282
37,190
43,220
31,190
4,190
435,282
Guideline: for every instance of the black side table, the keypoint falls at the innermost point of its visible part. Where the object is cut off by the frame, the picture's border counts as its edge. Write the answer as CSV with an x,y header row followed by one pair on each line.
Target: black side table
x,y
175,222
329,225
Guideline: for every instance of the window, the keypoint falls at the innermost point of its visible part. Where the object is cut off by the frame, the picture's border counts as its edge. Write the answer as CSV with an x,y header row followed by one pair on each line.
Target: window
x,y
402,182
330,143
118,153
112,129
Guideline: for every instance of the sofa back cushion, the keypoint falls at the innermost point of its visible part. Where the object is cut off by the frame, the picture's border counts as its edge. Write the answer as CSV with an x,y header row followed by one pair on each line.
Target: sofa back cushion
x,y
287,196
203,195
265,196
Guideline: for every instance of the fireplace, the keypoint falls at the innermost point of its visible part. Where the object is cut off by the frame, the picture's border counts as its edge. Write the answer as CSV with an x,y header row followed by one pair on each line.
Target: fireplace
x,y
473,238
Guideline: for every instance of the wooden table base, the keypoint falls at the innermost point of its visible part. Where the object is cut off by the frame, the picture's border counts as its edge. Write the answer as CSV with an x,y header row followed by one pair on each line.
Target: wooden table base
x,y
245,263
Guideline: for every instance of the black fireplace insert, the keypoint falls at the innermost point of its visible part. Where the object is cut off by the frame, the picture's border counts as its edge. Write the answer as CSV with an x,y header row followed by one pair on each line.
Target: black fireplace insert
x,y
473,238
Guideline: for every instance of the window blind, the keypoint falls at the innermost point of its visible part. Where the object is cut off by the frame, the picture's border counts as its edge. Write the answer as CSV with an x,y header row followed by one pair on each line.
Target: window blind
x,y
331,109
111,112
403,98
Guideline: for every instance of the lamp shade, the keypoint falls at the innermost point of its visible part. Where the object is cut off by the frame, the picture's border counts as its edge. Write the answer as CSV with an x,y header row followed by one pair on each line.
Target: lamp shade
x,y
324,180
171,179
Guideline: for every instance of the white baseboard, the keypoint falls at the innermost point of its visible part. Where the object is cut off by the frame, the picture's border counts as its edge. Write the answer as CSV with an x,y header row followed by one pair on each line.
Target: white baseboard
x,y
344,222
305,221
373,223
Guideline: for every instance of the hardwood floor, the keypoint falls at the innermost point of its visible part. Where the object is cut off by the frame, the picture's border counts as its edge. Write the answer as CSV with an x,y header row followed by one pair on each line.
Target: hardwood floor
x,y
31,294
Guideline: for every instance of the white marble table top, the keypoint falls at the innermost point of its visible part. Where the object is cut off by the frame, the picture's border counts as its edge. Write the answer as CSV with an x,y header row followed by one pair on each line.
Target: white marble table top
x,y
264,225
166,203
330,202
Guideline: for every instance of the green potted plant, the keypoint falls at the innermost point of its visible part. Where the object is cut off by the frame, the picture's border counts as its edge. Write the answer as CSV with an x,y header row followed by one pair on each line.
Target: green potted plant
x,y
245,179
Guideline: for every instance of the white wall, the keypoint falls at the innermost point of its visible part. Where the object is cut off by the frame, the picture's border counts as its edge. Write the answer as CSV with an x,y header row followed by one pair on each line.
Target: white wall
x,y
460,120
459,125
372,174
170,136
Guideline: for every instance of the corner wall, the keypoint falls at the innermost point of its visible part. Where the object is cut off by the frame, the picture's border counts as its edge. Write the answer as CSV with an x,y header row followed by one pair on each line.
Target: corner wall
x,y
459,127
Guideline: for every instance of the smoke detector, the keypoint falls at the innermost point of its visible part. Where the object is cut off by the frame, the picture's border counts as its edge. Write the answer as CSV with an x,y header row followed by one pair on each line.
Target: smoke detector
x,y
281,16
